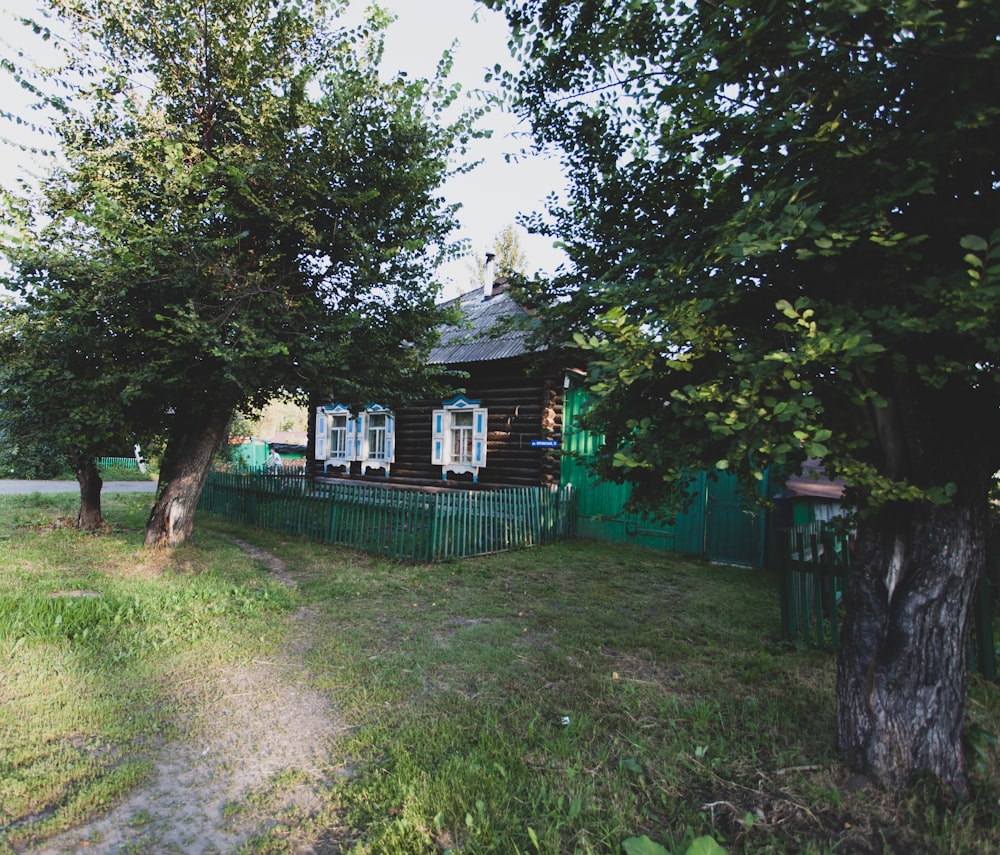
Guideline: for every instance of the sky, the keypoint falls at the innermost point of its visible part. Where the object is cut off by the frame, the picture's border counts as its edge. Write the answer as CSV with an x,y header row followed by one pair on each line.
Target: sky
x,y
493,195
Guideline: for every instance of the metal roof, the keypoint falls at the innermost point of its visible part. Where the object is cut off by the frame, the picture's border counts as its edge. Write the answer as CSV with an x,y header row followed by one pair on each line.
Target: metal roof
x,y
487,331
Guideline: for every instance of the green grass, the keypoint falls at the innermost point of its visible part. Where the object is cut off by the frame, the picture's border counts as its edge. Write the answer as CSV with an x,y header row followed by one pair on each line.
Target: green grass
x,y
127,473
556,700
94,631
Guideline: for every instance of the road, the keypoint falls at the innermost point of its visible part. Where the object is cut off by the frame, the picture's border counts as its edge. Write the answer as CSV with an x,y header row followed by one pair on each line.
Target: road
x,y
10,487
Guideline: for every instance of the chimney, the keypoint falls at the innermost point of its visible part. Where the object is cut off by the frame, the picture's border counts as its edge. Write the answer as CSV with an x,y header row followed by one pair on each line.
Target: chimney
x,y
489,275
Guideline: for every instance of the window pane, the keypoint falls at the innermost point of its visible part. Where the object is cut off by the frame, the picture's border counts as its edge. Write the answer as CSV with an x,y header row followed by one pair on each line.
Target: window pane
x,y
376,436
461,437
338,436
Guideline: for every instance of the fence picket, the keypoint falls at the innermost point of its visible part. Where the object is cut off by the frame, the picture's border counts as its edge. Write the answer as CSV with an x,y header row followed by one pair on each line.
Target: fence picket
x,y
116,463
408,524
813,564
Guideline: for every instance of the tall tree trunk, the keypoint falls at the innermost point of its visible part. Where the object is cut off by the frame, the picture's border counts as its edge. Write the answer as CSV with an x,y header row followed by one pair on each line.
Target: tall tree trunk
x,y
89,517
902,670
186,464
903,660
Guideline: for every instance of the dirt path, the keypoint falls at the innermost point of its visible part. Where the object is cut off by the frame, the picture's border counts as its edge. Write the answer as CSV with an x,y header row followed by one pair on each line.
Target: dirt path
x,y
251,723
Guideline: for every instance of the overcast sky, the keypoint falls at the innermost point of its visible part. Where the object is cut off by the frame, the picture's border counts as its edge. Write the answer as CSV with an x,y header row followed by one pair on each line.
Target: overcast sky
x,y
494,194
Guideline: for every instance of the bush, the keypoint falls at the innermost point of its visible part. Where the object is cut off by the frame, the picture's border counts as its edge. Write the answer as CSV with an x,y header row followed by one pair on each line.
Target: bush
x,y
31,461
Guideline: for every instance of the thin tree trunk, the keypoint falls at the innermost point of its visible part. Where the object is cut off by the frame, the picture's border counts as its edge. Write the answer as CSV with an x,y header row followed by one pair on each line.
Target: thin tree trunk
x,y
89,517
187,462
903,660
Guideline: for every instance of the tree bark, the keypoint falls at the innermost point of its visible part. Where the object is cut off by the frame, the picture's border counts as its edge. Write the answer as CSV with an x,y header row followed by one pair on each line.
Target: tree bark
x,y
89,517
186,463
903,659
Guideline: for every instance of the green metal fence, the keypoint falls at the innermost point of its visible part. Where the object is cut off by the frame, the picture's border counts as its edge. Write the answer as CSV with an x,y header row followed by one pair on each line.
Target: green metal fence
x,y
813,561
117,463
410,524
718,524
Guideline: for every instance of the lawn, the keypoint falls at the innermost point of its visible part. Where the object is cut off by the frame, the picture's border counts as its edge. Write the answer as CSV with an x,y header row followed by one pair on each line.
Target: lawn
x,y
576,698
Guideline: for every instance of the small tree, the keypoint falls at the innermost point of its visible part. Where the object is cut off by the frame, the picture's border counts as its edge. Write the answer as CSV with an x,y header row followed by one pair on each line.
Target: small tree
x,y
785,225
254,208
509,258
60,393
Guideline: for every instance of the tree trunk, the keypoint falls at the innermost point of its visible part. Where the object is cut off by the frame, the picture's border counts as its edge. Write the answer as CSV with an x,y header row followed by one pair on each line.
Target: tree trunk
x,y
89,517
186,463
903,660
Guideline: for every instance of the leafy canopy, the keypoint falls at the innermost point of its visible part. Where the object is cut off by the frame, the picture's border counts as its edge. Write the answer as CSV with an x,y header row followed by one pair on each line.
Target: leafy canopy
x,y
243,204
785,225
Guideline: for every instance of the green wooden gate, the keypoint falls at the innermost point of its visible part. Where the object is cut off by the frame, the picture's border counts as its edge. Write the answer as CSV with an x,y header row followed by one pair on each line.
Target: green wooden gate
x,y
735,532
718,524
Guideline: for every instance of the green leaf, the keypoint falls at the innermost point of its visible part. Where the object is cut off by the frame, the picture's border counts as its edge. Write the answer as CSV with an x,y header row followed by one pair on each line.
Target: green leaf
x,y
632,765
705,846
975,243
179,247
797,184
643,846
974,260
534,839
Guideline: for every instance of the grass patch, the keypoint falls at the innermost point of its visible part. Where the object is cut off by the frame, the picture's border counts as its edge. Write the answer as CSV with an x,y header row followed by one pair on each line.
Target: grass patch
x,y
565,699
93,633
126,473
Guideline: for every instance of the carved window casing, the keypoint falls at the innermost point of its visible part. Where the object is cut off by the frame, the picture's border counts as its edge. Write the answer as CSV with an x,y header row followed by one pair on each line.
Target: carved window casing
x,y
368,438
458,437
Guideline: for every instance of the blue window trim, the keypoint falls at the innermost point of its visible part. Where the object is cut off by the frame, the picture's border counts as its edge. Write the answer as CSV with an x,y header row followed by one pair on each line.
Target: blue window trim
x,y
459,402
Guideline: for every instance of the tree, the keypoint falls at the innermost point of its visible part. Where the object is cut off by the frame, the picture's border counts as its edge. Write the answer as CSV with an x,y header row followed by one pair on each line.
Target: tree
x,y
254,209
784,223
61,394
509,258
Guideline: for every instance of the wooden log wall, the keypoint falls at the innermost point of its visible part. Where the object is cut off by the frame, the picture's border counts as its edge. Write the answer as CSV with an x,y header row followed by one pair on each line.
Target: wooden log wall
x,y
523,406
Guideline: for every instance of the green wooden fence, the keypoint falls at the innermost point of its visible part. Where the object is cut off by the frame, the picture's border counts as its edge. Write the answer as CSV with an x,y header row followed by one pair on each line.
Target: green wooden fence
x,y
410,524
813,561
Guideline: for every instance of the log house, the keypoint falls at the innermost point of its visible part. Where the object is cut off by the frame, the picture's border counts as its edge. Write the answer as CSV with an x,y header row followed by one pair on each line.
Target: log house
x,y
502,427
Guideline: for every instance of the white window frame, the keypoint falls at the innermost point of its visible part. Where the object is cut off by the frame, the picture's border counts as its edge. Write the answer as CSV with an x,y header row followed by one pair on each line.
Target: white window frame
x,y
460,439
374,458
445,430
325,429
338,445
